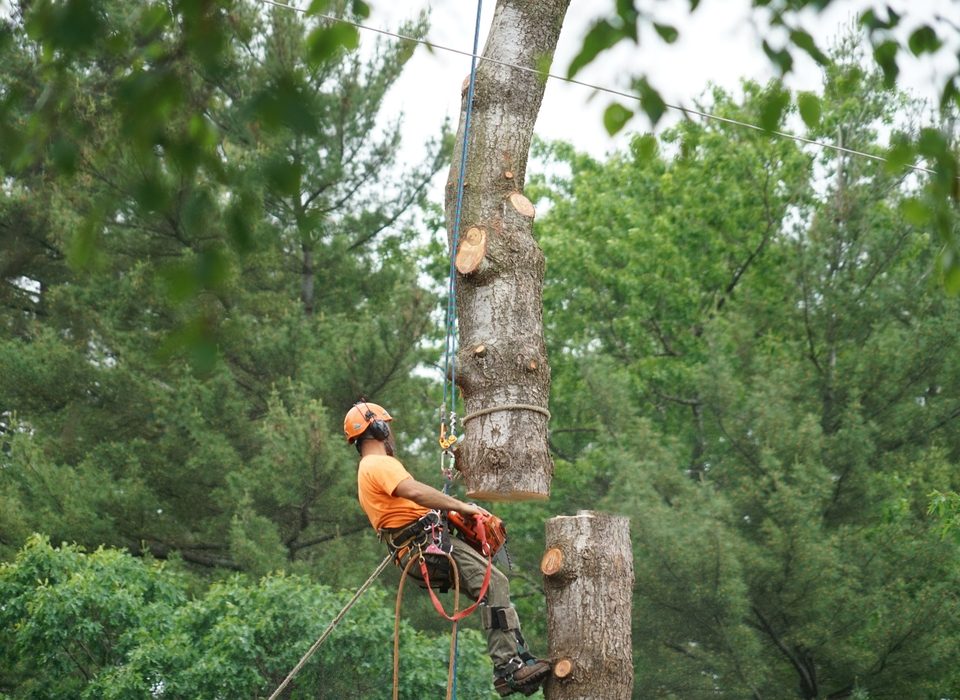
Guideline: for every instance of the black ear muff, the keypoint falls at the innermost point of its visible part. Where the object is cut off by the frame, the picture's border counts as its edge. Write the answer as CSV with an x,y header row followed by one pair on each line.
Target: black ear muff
x,y
378,429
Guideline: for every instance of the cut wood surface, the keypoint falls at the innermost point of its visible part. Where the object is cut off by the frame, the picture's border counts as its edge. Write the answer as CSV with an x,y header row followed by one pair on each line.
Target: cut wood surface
x,y
522,205
473,247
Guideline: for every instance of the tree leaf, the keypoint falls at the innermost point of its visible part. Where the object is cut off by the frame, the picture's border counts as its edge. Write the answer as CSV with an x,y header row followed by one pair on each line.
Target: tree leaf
x,y
668,33
872,22
318,7
773,104
810,109
283,177
900,154
950,93
324,43
615,118
70,26
780,57
644,147
650,100
951,276
285,102
932,143
885,54
804,41
628,15
915,212
361,9
924,40
602,36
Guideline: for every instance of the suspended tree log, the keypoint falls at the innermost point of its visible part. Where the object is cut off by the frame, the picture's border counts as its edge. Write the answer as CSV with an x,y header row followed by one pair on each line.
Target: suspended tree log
x,y
588,579
503,453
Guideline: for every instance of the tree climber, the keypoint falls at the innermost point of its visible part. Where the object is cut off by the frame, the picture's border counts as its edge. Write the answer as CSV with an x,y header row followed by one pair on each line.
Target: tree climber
x,y
406,513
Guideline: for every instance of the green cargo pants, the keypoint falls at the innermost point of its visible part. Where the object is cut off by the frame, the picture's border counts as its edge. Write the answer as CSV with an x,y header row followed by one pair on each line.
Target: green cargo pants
x,y
501,639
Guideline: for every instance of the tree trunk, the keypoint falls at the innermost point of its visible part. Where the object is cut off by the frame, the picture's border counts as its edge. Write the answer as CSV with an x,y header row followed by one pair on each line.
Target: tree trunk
x,y
501,366
307,275
588,580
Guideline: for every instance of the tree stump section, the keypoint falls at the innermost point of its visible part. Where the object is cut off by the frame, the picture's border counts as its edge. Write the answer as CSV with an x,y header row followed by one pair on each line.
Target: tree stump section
x,y
588,580
503,453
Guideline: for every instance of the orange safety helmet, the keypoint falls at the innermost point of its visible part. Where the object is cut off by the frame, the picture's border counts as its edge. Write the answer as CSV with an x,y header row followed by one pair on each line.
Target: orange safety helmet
x,y
365,415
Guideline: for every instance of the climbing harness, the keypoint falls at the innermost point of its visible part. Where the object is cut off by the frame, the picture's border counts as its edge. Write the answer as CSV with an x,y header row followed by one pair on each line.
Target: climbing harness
x,y
428,537
330,627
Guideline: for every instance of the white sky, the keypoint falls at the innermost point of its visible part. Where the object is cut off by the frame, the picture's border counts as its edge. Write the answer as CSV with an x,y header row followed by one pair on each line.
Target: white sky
x,y
718,44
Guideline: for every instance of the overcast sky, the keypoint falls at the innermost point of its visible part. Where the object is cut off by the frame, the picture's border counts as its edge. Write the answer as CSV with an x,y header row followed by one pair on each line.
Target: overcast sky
x,y
718,44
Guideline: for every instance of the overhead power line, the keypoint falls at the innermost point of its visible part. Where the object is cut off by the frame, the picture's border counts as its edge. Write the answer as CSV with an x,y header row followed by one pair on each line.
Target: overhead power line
x,y
601,88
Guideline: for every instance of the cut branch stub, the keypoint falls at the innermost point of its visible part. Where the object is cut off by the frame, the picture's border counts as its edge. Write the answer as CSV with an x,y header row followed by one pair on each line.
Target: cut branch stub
x,y
473,249
562,668
522,205
552,562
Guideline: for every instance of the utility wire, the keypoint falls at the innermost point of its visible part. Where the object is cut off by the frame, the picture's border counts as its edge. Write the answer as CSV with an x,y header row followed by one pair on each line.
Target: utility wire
x,y
601,88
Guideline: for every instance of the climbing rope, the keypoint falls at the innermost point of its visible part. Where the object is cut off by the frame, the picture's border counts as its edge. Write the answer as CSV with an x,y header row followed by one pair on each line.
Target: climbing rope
x,y
449,438
330,627
452,665
453,617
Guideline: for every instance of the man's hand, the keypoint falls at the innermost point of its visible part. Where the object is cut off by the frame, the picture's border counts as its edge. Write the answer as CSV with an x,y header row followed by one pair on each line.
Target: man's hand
x,y
471,509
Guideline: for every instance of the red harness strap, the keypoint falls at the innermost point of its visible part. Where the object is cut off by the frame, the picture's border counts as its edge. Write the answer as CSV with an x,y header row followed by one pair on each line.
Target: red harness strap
x,y
482,533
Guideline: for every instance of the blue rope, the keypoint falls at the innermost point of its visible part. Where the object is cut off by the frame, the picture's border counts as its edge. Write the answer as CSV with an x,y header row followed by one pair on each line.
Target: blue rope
x,y
450,349
456,657
449,366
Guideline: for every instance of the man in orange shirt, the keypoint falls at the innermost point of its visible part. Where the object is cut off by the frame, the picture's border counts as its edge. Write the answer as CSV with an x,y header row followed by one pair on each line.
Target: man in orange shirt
x,y
398,505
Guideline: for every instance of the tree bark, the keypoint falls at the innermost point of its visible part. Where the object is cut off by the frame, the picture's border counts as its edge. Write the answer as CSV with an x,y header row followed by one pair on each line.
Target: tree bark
x,y
588,580
505,386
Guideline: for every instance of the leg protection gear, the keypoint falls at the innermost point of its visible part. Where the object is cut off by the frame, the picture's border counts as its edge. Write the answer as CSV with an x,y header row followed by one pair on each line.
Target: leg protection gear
x,y
499,618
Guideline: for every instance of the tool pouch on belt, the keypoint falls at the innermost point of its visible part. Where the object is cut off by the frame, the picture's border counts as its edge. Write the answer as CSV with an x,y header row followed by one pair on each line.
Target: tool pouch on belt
x,y
430,537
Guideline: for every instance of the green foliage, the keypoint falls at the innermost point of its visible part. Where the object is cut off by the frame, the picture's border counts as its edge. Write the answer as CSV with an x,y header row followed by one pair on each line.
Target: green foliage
x,y
187,314
941,195
106,625
752,360
946,506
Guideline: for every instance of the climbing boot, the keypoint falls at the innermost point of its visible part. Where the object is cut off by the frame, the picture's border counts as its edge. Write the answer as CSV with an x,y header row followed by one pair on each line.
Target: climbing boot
x,y
520,676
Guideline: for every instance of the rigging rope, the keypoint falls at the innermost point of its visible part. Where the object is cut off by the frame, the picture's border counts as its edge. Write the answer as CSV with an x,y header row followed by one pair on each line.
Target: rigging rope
x,y
330,627
454,633
450,343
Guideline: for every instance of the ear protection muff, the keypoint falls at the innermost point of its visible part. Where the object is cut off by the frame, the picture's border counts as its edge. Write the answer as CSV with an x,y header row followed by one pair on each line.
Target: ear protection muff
x,y
378,429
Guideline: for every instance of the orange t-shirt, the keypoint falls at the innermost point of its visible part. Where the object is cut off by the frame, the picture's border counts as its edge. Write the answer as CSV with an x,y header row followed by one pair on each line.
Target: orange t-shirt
x,y
377,478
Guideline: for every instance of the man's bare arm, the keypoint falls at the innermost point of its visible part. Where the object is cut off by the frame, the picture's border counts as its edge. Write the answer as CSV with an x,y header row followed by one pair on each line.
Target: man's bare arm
x,y
429,497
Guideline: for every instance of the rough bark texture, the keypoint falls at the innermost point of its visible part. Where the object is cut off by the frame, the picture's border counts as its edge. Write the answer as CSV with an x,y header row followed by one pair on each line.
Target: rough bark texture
x,y
588,580
504,454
